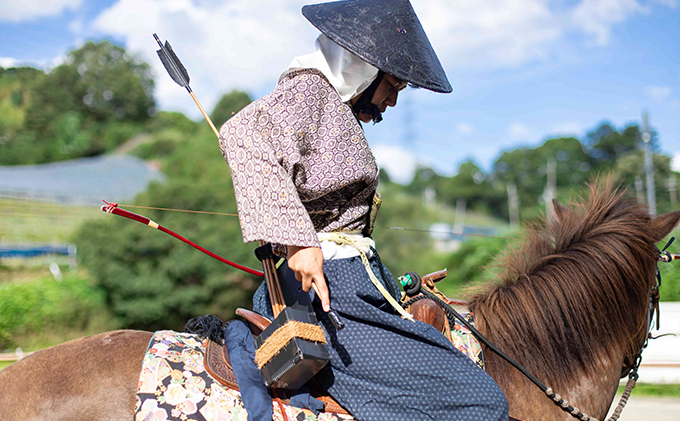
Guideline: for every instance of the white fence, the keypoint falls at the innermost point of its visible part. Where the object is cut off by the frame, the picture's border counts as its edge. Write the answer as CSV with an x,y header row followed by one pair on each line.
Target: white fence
x,y
661,359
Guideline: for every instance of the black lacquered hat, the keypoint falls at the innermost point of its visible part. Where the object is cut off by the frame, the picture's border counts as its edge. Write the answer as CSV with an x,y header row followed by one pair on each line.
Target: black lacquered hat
x,y
384,33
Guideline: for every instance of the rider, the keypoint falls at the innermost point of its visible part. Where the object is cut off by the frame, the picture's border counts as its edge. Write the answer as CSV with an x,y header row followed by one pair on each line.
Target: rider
x,y
305,180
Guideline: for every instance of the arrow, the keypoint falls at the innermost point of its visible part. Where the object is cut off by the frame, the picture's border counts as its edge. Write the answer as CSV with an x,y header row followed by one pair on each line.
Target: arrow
x,y
179,74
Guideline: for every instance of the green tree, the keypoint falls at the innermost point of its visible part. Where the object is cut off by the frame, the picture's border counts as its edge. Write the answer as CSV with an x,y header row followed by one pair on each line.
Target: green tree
x,y
153,281
573,164
471,184
229,104
527,168
522,167
606,145
98,86
17,88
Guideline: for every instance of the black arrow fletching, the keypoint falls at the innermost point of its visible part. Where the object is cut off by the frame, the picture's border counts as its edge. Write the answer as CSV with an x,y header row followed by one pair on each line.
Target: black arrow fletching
x,y
173,65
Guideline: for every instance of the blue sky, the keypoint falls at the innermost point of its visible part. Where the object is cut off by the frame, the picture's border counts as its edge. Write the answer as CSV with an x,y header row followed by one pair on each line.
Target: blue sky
x,y
522,70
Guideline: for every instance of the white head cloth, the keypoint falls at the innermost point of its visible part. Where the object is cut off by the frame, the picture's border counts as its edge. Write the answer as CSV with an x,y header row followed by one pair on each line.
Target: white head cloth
x,y
348,74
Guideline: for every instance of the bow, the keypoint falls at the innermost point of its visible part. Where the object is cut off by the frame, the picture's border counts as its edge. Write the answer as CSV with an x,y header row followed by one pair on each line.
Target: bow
x,y
114,209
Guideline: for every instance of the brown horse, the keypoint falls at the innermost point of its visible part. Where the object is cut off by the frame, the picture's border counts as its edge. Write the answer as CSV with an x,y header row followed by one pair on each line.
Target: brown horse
x,y
572,308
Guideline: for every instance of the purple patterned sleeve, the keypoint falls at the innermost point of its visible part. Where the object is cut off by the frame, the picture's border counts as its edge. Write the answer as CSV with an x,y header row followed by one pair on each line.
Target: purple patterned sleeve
x,y
268,204
300,163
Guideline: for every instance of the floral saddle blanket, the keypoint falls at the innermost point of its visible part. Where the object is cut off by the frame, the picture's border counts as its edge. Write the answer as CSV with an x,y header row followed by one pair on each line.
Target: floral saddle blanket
x,y
176,383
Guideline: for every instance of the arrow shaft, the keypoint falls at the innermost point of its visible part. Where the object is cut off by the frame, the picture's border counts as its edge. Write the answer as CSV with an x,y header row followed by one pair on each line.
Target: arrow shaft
x,y
212,126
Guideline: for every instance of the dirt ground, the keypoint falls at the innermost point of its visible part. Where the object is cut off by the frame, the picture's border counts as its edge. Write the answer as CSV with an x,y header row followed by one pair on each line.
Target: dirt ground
x,y
641,408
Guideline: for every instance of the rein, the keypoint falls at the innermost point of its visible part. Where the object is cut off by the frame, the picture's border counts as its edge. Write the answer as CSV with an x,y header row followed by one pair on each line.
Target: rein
x,y
414,287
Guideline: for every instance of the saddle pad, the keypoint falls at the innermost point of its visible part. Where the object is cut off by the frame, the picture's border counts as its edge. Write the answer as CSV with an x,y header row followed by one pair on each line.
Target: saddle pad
x,y
174,385
465,341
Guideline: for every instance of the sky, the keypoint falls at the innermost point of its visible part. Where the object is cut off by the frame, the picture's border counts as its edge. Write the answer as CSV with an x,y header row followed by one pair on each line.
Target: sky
x,y
523,71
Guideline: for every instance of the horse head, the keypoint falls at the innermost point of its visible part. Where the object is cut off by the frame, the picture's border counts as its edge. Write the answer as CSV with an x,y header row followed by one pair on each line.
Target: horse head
x,y
573,302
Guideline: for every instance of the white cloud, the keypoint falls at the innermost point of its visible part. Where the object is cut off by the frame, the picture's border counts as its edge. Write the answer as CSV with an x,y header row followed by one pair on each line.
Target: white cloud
x,y
7,62
659,93
464,128
567,128
76,26
675,162
495,33
518,131
26,10
399,163
247,43
596,17
235,44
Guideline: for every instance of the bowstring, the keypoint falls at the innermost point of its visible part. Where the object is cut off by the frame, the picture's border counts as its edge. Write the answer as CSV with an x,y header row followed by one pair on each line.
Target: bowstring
x,y
377,227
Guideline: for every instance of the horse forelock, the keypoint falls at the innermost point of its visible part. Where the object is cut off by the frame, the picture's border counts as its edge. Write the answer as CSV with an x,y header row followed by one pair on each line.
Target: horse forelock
x,y
575,293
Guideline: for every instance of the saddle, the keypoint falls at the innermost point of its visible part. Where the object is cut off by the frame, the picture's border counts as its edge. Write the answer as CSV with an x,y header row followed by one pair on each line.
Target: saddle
x,y
217,364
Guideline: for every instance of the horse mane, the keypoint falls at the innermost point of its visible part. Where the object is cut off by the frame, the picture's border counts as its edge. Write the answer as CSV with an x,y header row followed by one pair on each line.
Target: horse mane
x,y
575,293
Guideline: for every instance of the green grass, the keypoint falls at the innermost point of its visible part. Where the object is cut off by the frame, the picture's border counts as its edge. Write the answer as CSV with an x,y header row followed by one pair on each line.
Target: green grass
x,y
656,390
41,312
26,221
4,364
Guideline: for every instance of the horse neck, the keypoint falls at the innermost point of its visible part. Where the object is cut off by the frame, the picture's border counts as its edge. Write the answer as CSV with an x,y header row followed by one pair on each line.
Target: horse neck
x,y
562,325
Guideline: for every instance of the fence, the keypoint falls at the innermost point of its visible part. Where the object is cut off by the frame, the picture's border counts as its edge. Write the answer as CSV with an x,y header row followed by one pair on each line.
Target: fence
x,y
661,359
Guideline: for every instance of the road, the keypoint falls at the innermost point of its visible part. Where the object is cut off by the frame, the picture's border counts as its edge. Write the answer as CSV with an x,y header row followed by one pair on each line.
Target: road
x,y
641,408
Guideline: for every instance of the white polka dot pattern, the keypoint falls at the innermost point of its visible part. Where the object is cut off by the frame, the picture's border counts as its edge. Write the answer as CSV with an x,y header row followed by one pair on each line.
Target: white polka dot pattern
x,y
385,368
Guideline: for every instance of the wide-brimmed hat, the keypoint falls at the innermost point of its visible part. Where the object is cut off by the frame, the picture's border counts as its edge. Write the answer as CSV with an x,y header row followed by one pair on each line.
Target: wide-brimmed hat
x,y
384,33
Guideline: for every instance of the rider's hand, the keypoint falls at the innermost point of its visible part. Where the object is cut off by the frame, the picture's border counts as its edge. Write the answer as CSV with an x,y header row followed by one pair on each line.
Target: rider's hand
x,y
307,263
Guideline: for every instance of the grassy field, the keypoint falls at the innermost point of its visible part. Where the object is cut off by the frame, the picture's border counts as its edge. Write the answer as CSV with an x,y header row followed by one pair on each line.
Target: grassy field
x,y
657,390
34,222
26,221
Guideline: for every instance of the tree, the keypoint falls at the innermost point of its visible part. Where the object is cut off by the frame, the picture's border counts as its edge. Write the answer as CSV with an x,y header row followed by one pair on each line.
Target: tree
x,y
98,86
229,104
606,145
471,184
522,167
151,280
573,163
17,88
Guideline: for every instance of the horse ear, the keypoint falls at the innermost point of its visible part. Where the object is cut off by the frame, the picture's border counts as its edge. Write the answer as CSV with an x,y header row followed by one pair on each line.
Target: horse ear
x,y
660,226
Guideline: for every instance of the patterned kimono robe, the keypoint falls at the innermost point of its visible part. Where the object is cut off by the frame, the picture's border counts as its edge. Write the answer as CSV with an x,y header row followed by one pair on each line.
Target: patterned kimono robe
x,y
300,165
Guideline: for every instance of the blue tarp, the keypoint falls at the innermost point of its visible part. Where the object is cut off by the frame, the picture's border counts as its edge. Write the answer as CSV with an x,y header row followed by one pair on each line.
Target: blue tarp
x,y
27,251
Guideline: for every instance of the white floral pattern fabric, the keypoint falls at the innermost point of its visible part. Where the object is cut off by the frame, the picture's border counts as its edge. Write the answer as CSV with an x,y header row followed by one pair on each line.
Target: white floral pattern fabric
x,y
174,386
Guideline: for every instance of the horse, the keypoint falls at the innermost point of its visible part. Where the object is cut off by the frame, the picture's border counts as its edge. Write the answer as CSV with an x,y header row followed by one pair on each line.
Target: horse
x,y
571,307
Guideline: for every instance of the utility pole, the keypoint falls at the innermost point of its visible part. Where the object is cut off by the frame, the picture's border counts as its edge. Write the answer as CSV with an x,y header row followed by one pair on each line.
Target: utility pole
x,y
513,205
649,167
673,190
639,189
551,187
459,225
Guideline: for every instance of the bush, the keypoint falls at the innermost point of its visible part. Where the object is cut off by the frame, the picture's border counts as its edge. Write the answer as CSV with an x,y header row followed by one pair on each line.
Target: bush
x,y
44,305
472,264
163,143
670,272
164,120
